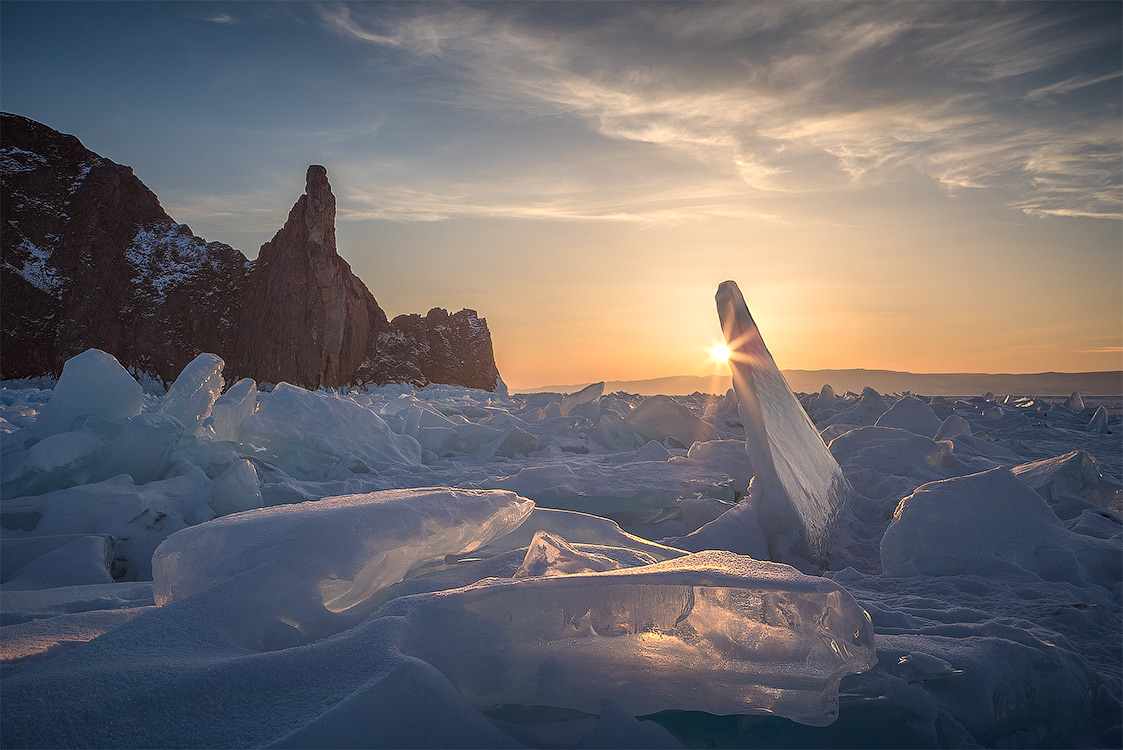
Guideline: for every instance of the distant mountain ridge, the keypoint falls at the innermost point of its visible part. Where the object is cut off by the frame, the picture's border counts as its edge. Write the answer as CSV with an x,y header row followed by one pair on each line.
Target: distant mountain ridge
x,y
1102,383
89,258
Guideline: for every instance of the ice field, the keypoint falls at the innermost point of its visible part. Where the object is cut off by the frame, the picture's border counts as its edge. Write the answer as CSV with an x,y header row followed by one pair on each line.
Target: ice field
x,y
229,565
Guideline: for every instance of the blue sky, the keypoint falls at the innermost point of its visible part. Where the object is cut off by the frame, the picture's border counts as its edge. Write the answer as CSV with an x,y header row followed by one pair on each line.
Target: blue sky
x,y
923,186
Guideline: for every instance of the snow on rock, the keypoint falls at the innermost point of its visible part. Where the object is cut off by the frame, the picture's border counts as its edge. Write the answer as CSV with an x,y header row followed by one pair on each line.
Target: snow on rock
x,y
912,414
192,396
990,523
231,408
317,567
663,418
92,382
584,396
551,555
312,431
798,485
713,632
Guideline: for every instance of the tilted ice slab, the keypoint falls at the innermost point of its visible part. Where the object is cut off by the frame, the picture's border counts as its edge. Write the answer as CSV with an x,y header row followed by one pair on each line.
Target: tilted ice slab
x,y
714,632
798,486
193,394
583,396
315,567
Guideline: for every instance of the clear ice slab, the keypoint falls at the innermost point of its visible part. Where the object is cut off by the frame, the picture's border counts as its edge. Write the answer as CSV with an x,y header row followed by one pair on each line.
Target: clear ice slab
x,y
714,631
799,487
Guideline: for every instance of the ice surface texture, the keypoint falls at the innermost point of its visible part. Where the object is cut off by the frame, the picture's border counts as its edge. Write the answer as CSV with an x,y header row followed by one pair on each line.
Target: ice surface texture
x,y
798,485
714,631
316,566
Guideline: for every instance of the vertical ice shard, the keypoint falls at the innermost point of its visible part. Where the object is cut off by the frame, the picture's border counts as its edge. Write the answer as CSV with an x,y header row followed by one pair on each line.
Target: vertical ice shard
x,y
799,486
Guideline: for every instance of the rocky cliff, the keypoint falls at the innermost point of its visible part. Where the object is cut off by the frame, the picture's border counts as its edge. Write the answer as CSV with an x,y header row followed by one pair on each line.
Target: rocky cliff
x,y
305,317
88,258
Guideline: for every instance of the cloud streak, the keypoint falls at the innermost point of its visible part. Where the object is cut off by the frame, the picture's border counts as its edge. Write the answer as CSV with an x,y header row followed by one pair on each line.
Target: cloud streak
x,y
797,98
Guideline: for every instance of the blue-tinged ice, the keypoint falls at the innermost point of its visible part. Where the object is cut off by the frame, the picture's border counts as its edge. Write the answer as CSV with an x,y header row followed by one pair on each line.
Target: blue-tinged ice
x,y
239,401
191,397
92,382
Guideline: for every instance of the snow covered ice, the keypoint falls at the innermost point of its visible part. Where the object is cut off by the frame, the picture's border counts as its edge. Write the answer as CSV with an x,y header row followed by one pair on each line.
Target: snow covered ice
x,y
401,567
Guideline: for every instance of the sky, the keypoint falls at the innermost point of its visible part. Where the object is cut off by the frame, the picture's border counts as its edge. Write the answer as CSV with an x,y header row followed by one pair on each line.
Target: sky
x,y
930,187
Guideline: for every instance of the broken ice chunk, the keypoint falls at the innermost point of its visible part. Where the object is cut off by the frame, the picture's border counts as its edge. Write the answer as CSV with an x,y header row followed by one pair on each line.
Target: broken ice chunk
x,y
798,484
192,395
56,462
237,489
663,418
313,431
92,382
76,561
232,407
585,395
912,414
990,523
317,566
141,450
551,555
713,632
1098,422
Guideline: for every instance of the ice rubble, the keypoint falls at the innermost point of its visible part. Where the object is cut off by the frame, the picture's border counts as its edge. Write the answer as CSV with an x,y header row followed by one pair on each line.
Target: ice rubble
x,y
313,431
1023,648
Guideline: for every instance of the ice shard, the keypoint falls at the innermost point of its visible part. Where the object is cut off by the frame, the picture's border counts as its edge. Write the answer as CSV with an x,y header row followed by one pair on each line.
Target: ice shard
x,y
193,394
714,631
317,566
583,396
799,487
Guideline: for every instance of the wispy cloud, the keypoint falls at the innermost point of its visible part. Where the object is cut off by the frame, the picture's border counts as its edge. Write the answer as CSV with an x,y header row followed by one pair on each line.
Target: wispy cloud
x,y
793,97
220,18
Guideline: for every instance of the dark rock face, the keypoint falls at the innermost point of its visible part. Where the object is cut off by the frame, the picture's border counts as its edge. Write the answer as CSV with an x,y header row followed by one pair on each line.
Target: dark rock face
x,y
305,317
88,258
439,348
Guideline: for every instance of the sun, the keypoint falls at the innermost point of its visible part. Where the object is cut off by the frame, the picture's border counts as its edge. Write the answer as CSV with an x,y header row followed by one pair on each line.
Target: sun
x,y
720,353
